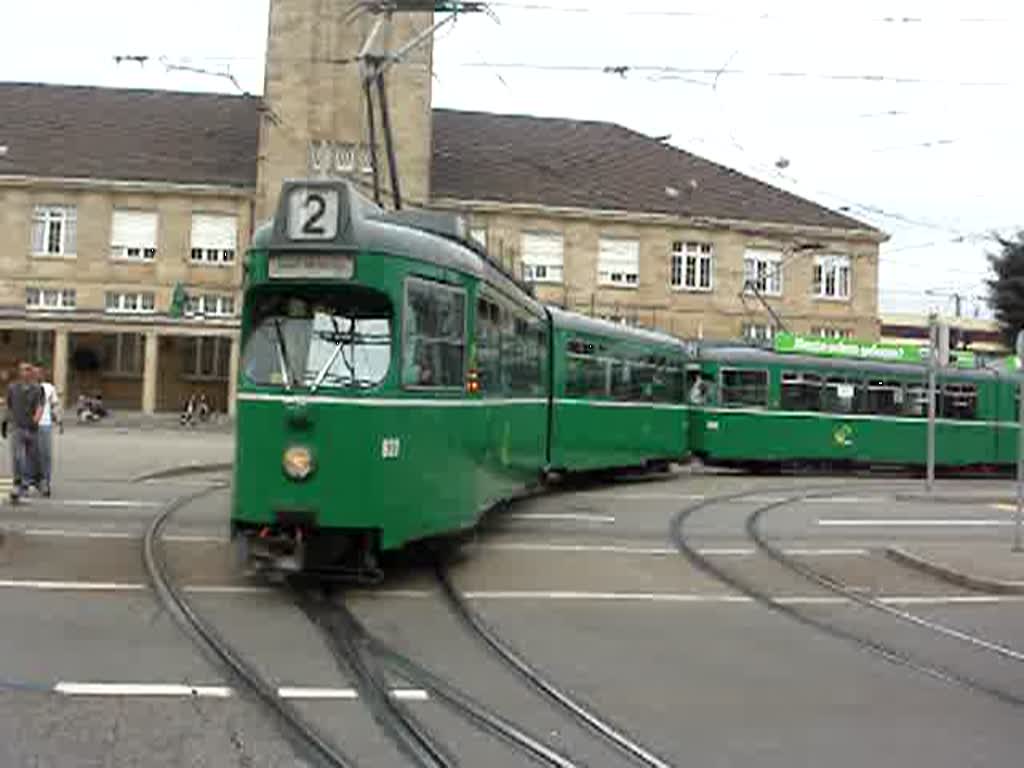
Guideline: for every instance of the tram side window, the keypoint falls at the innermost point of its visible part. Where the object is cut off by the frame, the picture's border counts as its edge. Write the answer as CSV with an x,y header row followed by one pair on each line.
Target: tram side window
x,y
837,396
801,391
915,401
435,321
520,356
959,401
488,345
884,398
744,387
669,385
586,373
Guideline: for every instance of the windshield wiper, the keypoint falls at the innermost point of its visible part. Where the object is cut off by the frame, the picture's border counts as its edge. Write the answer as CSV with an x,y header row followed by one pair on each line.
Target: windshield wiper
x,y
282,355
339,347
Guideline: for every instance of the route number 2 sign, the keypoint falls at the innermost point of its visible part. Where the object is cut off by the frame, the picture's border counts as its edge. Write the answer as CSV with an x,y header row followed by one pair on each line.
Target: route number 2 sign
x,y
313,213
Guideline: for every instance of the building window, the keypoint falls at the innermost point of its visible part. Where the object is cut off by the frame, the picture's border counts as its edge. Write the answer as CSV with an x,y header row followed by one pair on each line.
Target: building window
x,y
826,332
618,263
54,230
832,277
758,332
133,235
124,354
39,347
131,302
691,266
214,238
211,305
206,357
479,236
763,270
50,298
542,256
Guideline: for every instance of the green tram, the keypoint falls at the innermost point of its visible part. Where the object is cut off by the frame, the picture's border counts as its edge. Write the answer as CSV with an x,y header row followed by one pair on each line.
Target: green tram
x,y
764,409
395,384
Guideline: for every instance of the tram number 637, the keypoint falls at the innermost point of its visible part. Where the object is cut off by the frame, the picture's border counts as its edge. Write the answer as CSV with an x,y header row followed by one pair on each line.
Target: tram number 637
x,y
313,213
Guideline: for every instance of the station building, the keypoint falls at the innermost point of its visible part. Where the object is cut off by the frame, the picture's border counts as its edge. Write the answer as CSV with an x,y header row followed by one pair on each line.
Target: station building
x,y
124,215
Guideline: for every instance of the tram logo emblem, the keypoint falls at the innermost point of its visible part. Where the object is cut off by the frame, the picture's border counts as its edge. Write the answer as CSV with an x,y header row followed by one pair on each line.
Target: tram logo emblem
x,y
843,435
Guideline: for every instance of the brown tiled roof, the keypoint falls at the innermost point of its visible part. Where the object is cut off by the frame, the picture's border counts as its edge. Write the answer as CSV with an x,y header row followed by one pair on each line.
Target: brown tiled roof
x,y
147,135
573,163
126,134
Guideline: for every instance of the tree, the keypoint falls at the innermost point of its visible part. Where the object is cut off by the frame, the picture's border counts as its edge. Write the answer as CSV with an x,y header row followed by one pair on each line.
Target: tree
x,y
1006,289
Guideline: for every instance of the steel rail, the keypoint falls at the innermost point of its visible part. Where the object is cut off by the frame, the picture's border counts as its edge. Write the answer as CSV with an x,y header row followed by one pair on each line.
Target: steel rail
x,y
582,713
457,700
833,585
351,651
883,650
303,736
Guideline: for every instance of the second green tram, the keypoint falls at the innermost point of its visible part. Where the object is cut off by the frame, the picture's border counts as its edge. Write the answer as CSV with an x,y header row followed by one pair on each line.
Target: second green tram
x,y
763,408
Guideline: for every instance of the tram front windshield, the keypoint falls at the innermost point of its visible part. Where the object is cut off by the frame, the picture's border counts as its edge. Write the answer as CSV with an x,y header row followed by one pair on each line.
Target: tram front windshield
x,y
311,340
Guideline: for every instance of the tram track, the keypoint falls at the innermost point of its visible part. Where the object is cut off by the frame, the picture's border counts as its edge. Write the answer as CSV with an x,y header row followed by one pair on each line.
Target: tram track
x,y
912,660
357,652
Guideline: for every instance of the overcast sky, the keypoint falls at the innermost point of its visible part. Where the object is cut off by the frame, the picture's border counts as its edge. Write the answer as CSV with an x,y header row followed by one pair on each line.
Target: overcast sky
x,y
905,112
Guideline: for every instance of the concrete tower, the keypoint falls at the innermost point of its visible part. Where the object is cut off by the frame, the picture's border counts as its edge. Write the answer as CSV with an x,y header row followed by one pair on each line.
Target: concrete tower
x,y
314,117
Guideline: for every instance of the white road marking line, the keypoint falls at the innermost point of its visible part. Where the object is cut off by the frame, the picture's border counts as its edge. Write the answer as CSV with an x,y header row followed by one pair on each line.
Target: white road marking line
x,y
913,522
641,496
560,516
73,533
616,549
843,500
221,691
286,692
720,598
106,503
143,689
71,586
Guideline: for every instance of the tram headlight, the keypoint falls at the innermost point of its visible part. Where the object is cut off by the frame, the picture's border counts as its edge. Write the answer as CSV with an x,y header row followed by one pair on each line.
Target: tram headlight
x,y
298,462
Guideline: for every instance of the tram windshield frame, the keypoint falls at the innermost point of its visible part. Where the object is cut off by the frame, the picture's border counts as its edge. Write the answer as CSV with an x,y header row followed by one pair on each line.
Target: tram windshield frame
x,y
342,338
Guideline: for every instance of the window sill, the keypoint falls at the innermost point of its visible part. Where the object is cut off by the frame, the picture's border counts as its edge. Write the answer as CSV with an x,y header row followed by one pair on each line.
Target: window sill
x,y
832,299
766,294
620,286
543,282
687,289
127,260
217,264
130,312
55,256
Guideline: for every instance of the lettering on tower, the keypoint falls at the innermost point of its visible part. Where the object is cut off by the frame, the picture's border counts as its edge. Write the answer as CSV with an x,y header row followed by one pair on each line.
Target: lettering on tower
x,y
329,158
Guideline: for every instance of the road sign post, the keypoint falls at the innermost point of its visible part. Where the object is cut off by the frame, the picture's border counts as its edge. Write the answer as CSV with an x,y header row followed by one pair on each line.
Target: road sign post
x,y
933,338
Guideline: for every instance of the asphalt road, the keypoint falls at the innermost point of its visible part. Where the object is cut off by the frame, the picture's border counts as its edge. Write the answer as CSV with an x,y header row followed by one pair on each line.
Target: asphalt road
x,y
586,584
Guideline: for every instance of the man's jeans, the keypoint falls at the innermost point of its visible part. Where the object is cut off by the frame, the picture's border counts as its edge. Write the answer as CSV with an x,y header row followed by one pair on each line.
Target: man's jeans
x,y
45,454
24,457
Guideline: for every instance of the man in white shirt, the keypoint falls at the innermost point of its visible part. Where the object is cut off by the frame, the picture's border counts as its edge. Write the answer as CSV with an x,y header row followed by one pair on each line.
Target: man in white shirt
x,y
51,415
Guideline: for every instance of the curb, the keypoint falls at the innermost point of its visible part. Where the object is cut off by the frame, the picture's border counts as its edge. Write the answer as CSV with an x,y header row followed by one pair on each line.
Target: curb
x,y
195,468
938,498
953,576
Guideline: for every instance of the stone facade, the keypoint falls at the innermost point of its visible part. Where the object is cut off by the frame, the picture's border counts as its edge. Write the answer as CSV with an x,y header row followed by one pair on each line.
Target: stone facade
x,y
92,272
719,313
314,114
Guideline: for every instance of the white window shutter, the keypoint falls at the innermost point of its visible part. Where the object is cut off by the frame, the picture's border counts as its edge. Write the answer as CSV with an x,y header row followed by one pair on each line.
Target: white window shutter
x,y
542,250
133,229
218,231
618,256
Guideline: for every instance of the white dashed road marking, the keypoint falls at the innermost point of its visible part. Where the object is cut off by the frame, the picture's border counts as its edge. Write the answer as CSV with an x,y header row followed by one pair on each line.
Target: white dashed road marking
x,y
561,517
912,522
220,691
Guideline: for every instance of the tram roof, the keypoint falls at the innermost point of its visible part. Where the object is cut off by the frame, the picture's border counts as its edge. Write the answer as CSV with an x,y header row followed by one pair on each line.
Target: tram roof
x,y
428,236
573,321
755,355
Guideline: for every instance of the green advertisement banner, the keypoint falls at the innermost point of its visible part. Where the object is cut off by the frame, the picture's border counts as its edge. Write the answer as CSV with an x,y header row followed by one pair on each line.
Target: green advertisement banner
x,y
865,350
